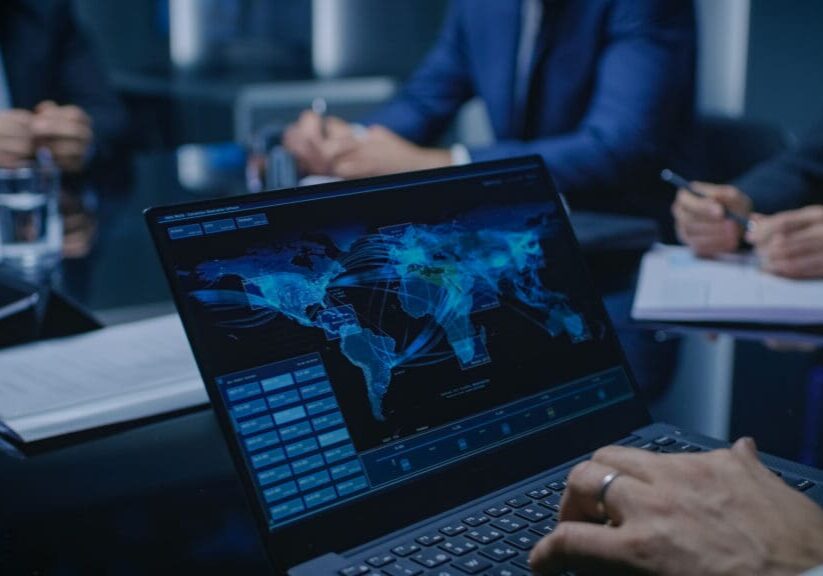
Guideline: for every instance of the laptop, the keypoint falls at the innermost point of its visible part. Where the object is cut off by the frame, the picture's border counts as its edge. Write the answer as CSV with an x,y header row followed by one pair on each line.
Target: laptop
x,y
405,368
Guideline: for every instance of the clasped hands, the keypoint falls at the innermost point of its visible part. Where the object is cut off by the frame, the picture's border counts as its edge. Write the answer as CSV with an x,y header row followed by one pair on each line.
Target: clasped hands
x,y
789,243
333,147
66,131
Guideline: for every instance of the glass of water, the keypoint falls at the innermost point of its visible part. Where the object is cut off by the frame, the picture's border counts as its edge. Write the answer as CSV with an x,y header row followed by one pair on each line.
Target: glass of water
x,y
31,231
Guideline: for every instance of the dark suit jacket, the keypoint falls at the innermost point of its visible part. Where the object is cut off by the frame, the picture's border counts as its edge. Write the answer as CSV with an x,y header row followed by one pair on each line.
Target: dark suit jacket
x,y
791,180
48,57
618,90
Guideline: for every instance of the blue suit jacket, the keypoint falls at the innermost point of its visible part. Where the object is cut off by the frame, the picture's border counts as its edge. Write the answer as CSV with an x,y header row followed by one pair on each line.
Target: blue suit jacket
x,y
48,57
618,91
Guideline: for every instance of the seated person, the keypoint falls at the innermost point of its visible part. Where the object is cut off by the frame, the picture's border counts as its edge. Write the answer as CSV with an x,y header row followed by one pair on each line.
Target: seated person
x,y
721,512
599,89
788,188
54,96
53,93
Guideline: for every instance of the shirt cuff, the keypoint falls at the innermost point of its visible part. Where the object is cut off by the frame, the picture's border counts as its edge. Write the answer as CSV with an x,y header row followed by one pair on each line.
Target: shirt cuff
x,y
814,572
460,155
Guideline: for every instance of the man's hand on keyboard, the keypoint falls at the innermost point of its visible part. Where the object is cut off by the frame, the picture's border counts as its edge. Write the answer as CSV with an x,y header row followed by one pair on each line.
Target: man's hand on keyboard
x,y
721,512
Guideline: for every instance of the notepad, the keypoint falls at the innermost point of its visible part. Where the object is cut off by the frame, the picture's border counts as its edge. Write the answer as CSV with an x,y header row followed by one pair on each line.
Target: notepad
x,y
675,285
105,377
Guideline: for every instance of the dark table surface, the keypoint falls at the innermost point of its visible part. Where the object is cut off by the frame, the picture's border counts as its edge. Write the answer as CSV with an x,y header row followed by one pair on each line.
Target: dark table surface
x,y
161,496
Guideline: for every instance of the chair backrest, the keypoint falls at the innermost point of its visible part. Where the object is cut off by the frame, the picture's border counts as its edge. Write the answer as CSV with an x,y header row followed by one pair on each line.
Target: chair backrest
x,y
724,148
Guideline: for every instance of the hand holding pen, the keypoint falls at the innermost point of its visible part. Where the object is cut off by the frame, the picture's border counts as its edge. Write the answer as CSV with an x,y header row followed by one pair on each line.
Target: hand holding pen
x,y
710,218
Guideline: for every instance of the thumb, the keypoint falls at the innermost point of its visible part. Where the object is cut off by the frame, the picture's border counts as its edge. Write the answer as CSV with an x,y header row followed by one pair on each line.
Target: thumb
x,y
746,448
45,105
580,545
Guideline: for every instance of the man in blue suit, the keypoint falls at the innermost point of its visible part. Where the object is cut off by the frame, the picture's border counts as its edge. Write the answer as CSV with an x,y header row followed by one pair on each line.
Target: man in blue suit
x,y
601,89
53,93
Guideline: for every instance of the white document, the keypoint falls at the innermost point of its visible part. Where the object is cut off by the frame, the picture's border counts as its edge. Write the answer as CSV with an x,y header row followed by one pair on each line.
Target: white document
x,y
104,377
675,285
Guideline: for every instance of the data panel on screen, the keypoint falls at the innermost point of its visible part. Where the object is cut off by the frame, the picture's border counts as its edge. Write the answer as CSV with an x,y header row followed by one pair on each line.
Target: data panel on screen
x,y
359,341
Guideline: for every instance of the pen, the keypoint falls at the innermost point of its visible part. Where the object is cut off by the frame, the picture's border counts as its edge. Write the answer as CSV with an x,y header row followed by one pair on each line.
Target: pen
x,y
678,181
319,107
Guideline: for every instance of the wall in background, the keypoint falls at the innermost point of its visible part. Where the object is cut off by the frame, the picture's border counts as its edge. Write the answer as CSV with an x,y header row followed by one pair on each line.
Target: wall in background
x,y
785,72
723,44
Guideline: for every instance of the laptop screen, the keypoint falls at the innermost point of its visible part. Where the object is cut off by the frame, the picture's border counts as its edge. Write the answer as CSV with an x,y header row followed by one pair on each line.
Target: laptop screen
x,y
368,337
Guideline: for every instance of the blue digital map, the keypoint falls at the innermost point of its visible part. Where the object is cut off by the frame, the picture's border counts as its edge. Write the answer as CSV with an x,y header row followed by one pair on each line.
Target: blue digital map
x,y
443,275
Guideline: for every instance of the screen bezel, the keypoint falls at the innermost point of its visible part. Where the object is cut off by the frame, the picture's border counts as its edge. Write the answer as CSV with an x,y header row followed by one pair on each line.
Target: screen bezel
x,y
358,522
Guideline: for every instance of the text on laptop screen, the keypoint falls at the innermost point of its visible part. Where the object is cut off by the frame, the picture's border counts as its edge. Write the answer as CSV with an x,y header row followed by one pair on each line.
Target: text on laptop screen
x,y
362,339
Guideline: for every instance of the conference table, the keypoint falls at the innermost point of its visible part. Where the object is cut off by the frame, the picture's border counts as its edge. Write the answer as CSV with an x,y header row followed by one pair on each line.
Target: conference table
x,y
161,495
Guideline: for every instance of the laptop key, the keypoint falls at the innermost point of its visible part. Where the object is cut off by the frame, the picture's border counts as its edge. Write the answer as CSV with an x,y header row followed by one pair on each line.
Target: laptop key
x,y
499,552
474,521
453,530
557,486
458,547
402,568
551,505
506,571
484,535
429,539
538,493
543,528
509,524
522,561
532,514
472,564
430,558
380,560
355,570
650,447
664,441
498,511
523,540
518,501
405,549
802,484
444,571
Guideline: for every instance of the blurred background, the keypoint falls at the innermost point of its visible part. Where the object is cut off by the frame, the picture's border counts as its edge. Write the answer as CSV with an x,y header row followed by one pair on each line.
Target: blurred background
x,y
178,59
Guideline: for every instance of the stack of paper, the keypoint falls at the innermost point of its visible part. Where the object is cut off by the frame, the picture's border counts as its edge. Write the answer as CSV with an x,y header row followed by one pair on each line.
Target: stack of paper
x,y
677,286
104,377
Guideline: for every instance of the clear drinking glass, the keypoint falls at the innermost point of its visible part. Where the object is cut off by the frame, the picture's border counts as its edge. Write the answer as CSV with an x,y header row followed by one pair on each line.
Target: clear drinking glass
x,y
31,230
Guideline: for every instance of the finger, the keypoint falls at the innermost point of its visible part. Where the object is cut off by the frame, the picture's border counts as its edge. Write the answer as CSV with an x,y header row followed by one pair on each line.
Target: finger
x,y
22,147
51,127
585,484
799,243
701,208
350,168
637,463
15,124
800,268
68,113
716,228
337,149
786,223
45,106
580,546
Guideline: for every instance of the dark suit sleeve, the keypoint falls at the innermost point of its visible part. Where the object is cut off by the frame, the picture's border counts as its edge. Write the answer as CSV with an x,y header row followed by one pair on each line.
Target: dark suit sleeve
x,y
435,92
82,82
642,99
791,180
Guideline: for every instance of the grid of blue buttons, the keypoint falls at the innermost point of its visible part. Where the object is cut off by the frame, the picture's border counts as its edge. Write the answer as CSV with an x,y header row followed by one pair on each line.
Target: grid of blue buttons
x,y
294,437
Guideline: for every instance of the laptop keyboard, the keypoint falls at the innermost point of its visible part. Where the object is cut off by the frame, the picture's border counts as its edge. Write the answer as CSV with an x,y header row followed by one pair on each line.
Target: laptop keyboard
x,y
496,540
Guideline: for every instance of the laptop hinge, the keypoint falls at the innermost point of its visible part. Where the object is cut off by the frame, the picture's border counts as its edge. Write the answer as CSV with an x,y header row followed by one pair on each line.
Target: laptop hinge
x,y
325,564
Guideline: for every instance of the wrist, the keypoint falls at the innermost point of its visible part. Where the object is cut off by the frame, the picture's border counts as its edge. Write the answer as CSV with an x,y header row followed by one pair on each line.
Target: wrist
x,y
436,158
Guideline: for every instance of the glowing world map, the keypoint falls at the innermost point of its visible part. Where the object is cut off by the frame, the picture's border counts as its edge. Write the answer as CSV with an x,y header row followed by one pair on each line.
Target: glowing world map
x,y
443,276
